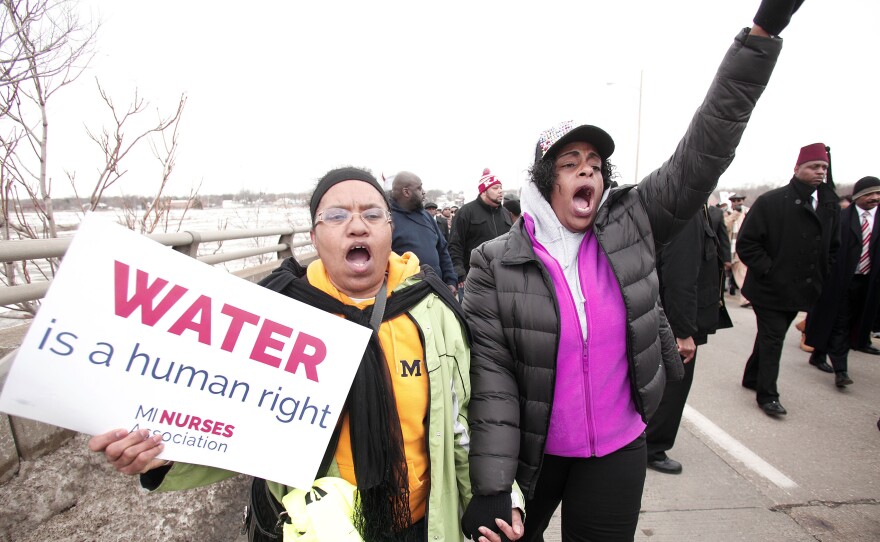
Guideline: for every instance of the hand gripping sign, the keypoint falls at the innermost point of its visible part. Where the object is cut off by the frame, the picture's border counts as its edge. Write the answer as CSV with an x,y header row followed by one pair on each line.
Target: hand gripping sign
x,y
232,375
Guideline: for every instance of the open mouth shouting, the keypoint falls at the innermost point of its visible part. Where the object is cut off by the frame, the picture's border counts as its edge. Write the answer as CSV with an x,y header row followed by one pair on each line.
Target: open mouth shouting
x,y
582,202
359,258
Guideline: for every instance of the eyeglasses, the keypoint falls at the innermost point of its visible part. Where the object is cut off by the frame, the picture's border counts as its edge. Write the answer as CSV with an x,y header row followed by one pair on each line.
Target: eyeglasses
x,y
335,216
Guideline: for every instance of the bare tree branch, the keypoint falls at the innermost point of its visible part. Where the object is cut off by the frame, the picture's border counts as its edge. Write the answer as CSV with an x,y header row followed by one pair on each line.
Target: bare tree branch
x,y
115,146
43,48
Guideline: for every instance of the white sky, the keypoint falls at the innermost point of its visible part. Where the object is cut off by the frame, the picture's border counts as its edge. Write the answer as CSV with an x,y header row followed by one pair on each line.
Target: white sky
x,y
278,96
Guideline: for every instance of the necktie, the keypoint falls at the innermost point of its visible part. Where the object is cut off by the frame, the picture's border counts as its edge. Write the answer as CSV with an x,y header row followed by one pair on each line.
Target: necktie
x,y
814,200
865,261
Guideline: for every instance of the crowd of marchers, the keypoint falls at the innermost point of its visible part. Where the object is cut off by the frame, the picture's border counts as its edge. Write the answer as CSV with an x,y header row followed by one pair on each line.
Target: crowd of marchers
x,y
559,332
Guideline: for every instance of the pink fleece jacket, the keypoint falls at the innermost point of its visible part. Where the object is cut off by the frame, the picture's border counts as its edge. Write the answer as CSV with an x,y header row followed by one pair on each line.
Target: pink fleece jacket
x,y
593,412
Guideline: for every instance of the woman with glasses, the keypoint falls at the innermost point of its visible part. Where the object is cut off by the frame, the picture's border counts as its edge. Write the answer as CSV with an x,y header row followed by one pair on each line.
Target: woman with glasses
x,y
403,439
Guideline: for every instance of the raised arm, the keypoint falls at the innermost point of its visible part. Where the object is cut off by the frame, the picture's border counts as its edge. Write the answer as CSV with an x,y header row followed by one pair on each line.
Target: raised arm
x,y
674,192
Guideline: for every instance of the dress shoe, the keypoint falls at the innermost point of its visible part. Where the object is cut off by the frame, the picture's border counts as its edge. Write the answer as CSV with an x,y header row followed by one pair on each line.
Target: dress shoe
x,y
750,386
820,363
666,466
870,349
842,379
773,408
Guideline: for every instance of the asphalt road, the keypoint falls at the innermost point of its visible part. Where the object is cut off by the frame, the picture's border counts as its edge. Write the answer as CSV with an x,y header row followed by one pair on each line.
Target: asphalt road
x,y
813,475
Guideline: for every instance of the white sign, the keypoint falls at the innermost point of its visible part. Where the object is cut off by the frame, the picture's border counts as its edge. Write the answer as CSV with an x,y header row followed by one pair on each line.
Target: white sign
x,y
133,334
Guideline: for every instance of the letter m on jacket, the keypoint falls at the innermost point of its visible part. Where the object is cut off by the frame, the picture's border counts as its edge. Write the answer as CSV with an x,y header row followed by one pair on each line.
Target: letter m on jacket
x,y
411,370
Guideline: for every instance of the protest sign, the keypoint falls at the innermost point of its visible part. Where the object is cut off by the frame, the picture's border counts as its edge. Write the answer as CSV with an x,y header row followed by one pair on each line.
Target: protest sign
x,y
133,334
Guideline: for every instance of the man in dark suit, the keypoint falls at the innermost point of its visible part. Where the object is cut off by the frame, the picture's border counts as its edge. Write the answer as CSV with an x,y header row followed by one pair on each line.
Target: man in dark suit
x,y
690,269
788,241
848,304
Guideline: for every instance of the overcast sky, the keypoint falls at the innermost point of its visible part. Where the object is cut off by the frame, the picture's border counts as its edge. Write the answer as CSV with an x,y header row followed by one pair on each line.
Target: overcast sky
x,y
279,91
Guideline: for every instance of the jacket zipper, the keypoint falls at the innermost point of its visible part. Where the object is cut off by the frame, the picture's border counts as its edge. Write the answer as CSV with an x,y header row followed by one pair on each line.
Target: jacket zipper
x,y
589,422
598,230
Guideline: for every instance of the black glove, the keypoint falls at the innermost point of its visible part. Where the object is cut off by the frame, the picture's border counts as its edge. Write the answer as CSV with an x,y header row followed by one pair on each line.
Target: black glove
x,y
482,511
774,15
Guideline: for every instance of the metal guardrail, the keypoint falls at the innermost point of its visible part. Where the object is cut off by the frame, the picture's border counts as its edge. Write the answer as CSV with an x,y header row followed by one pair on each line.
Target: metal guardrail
x,y
185,242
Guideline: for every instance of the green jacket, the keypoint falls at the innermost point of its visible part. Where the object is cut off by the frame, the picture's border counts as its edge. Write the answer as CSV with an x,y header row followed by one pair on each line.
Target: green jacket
x,y
448,361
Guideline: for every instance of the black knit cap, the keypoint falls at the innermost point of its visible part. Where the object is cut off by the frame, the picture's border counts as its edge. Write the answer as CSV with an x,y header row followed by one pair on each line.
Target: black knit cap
x,y
336,176
866,185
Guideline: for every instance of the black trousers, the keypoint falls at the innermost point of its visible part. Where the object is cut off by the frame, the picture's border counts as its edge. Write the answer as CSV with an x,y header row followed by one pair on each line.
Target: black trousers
x,y
848,313
762,368
663,427
600,496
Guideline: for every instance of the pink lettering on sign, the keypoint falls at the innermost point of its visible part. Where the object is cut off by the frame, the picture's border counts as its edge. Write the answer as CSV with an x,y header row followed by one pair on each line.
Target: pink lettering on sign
x,y
240,317
265,341
202,308
311,360
143,296
196,423
198,318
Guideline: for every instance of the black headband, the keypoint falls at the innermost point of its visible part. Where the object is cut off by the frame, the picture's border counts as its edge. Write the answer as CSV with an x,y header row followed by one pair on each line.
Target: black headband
x,y
336,176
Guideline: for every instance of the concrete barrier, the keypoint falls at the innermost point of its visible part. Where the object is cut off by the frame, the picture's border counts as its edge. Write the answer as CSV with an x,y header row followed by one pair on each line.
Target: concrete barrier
x,y
8,452
34,439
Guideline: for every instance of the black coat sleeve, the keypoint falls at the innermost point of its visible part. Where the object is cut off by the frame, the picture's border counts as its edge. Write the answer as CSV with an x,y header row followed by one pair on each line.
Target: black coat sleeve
x,y
674,192
751,241
494,410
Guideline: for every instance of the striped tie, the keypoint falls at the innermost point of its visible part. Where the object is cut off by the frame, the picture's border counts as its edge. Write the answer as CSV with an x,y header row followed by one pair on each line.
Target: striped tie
x,y
865,261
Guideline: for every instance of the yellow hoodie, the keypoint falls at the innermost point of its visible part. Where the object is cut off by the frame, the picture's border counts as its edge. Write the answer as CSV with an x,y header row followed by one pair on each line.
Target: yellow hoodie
x,y
401,343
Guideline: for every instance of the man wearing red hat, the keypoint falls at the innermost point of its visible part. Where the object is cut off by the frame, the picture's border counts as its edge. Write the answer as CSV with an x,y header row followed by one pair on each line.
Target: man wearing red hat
x,y
788,241
476,222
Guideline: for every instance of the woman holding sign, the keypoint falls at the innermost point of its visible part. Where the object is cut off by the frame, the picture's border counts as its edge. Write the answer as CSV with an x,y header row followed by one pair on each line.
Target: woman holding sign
x,y
402,441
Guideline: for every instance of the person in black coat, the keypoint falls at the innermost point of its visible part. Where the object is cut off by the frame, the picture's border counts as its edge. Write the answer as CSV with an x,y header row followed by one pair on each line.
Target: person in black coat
x,y
849,301
690,269
476,222
716,222
443,220
788,241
